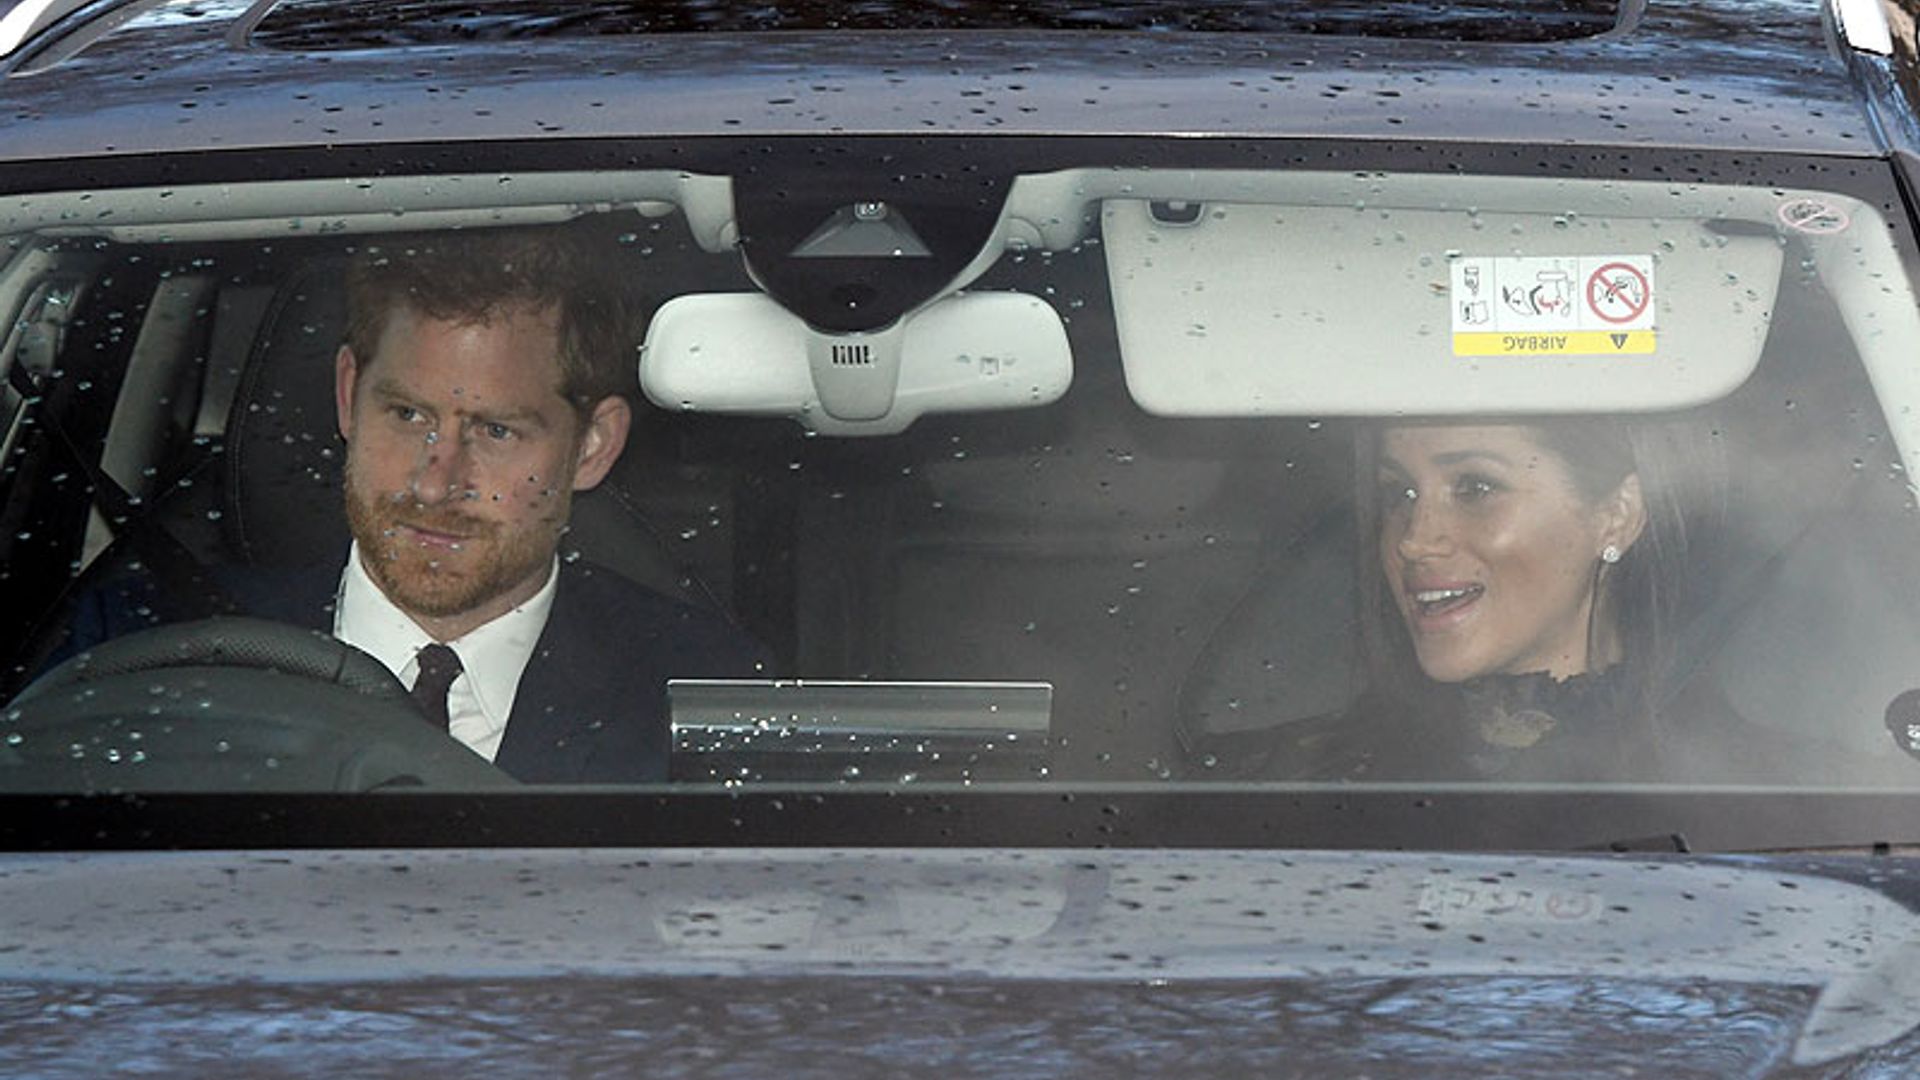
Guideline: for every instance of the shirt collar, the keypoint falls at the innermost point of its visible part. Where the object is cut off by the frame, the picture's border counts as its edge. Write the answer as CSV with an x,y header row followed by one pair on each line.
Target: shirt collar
x,y
493,655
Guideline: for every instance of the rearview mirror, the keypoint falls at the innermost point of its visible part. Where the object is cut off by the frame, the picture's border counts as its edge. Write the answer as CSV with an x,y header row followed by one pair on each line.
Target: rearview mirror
x,y
744,354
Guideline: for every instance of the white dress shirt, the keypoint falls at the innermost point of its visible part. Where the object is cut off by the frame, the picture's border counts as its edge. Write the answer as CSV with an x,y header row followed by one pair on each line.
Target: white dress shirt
x,y
492,656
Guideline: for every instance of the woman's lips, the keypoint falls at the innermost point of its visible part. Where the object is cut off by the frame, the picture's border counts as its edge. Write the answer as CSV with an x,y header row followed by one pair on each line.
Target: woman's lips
x,y
1441,605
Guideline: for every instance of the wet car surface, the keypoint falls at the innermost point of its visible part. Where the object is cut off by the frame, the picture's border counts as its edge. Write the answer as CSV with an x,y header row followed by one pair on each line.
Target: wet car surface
x,y
977,962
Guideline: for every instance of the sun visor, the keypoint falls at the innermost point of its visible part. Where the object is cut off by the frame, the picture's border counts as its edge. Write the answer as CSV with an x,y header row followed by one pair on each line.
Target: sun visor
x,y
1243,309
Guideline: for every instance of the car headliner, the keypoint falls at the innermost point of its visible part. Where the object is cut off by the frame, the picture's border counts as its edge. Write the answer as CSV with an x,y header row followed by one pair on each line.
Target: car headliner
x,y
1725,74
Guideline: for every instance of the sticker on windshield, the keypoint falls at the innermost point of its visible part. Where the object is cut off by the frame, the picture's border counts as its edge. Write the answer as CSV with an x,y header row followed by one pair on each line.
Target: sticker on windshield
x,y
1505,305
1813,216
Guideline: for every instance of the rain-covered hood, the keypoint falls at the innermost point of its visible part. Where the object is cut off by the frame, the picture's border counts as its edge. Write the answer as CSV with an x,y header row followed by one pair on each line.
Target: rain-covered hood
x,y
1317,962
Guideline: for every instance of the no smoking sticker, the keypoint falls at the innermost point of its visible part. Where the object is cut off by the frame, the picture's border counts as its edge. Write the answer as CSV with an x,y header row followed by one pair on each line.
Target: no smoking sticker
x,y
1552,305
1813,216
1618,293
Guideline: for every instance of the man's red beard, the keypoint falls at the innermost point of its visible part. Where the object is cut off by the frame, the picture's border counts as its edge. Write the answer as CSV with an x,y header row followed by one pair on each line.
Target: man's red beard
x,y
437,582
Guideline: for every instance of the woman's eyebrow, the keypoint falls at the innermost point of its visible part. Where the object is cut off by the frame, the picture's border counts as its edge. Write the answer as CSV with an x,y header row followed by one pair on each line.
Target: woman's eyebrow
x,y
1457,457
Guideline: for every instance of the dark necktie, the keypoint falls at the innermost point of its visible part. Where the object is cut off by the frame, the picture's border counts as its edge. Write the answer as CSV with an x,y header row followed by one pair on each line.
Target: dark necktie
x,y
439,666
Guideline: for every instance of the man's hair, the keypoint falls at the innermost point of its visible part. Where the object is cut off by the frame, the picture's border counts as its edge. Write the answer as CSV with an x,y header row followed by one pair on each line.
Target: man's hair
x,y
472,276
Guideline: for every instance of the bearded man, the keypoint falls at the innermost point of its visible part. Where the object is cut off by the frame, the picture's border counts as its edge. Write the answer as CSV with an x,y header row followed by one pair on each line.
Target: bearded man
x,y
482,383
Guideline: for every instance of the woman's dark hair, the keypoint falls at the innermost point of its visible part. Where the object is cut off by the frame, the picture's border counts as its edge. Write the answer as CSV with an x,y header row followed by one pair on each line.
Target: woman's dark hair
x,y
1681,471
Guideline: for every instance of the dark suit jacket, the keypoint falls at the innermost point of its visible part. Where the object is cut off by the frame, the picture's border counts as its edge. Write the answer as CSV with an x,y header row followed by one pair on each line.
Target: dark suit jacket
x,y
592,703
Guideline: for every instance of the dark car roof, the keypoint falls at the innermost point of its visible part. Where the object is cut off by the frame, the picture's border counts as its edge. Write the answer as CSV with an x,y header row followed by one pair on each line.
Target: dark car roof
x,y
1713,74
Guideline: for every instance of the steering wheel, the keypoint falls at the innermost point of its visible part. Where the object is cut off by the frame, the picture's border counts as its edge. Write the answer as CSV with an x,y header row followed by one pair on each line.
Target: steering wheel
x,y
227,704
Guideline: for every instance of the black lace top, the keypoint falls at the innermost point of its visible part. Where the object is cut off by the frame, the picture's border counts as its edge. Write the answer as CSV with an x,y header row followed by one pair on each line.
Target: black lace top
x,y
1498,726
1534,728
1506,719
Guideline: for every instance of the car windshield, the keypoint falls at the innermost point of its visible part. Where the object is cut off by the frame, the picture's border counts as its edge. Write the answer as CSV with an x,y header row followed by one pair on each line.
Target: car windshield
x,y
1131,474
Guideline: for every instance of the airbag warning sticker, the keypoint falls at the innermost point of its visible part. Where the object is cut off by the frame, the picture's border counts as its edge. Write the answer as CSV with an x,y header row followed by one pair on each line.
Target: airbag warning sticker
x,y
1552,305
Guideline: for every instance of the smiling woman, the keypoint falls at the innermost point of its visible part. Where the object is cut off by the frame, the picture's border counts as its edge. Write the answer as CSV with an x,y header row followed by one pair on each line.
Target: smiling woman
x,y
1521,587
1498,548
1527,579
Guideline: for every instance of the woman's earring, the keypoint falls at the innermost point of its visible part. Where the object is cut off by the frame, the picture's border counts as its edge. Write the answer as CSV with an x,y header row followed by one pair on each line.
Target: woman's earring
x,y
1610,554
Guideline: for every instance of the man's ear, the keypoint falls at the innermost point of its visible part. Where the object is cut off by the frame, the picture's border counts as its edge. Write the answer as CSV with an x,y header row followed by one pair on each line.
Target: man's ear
x,y
345,370
1624,514
602,441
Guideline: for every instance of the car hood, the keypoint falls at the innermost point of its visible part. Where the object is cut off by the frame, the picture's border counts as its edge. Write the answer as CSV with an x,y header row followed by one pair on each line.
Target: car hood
x,y
1088,960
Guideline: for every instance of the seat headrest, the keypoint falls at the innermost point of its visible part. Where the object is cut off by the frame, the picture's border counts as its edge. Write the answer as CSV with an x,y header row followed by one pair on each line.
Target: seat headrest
x,y
284,453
